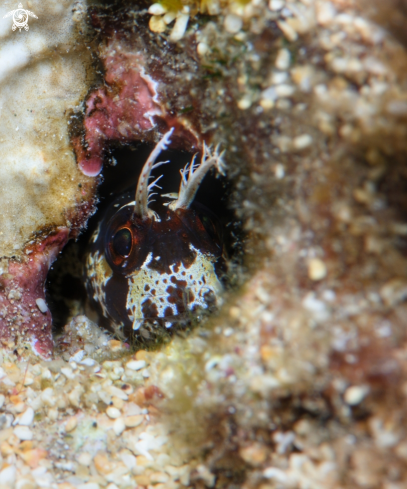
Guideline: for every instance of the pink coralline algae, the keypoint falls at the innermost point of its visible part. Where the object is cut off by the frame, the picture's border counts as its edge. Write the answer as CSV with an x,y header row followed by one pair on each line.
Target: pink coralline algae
x,y
126,109
121,112
24,318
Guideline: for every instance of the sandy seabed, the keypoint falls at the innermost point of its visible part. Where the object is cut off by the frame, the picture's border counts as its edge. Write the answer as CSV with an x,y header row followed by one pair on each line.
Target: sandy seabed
x,y
300,380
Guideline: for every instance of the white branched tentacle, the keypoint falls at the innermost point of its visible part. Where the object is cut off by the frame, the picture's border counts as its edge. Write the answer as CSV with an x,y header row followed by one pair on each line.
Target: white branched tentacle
x,y
193,174
150,200
143,187
154,184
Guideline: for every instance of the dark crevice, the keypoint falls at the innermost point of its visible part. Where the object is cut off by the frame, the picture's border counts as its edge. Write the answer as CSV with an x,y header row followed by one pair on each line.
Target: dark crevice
x,y
66,294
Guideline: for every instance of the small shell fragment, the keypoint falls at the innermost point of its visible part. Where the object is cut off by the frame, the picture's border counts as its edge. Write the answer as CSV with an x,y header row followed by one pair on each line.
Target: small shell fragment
x,y
157,9
71,424
284,90
179,28
279,171
119,426
85,459
88,362
157,24
133,421
69,374
316,269
136,364
355,394
244,103
202,49
26,418
302,142
233,23
42,305
289,33
78,356
283,59
394,291
113,412
8,476
276,5
23,433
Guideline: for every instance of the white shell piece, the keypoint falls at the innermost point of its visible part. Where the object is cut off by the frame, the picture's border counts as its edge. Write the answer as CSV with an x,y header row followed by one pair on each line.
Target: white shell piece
x,y
179,28
42,305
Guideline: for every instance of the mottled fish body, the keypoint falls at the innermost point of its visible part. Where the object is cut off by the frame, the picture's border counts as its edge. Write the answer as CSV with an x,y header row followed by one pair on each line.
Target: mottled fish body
x,y
154,268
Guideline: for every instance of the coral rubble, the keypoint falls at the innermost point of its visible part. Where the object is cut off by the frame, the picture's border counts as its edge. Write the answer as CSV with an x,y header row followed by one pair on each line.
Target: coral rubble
x,y
44,75
300,380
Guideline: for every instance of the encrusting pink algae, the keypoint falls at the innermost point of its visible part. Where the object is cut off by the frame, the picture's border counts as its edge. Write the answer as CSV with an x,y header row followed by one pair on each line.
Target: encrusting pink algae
x,y
299,380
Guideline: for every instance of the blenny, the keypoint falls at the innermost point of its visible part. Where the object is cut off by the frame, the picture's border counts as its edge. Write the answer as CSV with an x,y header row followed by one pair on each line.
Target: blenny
x,y
149,269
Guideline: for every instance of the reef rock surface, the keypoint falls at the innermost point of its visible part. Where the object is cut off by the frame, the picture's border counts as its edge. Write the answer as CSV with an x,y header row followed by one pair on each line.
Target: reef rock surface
x,y
300,380
44,198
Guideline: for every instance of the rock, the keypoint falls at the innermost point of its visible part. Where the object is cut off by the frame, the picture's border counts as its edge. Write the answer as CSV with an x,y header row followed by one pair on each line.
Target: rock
x,y
46,199
300,378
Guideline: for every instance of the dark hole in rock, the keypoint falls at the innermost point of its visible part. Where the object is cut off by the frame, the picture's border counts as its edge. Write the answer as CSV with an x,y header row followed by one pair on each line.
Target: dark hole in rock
x,y
66,292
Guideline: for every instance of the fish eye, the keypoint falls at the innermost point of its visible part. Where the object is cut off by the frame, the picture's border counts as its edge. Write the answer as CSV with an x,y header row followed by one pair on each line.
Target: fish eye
x,y
122,242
